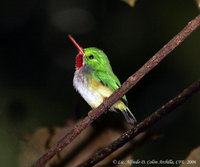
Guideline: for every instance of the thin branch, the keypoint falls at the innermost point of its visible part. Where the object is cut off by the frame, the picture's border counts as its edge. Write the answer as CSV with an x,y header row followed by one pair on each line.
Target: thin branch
x,y
141,127
126,86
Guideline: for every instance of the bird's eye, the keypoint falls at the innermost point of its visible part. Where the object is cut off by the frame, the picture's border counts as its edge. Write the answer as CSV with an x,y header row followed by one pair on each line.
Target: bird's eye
x,y
91,57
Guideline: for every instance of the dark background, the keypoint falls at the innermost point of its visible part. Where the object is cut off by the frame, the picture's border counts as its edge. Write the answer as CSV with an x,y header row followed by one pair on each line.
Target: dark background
x,y
37,66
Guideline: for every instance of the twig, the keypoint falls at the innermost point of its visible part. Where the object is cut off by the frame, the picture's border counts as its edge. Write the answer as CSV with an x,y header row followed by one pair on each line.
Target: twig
x,y
126,86
141,127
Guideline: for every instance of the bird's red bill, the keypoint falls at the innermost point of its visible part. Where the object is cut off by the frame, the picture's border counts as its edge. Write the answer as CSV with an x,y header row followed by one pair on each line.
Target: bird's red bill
x,y
76,44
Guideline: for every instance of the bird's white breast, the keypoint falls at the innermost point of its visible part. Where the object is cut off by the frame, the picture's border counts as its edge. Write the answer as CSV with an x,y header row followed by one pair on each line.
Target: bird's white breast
x,y
81,84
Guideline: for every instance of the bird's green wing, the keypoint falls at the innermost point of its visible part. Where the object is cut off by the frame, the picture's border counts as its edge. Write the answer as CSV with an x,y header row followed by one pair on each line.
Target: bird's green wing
x,y
109,79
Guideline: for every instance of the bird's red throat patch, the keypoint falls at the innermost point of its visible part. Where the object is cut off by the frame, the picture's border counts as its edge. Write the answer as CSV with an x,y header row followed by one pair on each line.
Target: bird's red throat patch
x,y
79,60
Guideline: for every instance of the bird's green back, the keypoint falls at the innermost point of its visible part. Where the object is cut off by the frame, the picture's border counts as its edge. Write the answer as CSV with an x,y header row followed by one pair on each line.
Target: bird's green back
x,y
97,60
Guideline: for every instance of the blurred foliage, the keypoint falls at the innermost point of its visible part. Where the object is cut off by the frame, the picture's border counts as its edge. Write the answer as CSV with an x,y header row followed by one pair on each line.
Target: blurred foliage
x,y
37,66
198,3
82,148
130,2
193,158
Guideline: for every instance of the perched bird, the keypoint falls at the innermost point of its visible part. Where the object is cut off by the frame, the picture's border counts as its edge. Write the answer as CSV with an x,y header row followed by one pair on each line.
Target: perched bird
x,y
95,80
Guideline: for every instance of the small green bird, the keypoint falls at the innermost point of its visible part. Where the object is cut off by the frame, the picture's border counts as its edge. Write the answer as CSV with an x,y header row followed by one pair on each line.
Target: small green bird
x,y
95,80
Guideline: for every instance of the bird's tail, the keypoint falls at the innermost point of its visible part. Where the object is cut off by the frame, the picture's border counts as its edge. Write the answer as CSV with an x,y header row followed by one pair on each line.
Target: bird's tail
x,y
129,116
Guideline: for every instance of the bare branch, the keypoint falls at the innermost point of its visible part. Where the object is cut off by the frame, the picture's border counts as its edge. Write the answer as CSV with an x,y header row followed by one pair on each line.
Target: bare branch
x,y
141,127
126,86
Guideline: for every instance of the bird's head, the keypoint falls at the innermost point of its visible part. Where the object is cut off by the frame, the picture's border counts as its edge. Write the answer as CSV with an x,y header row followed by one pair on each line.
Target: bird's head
x,y
92,57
